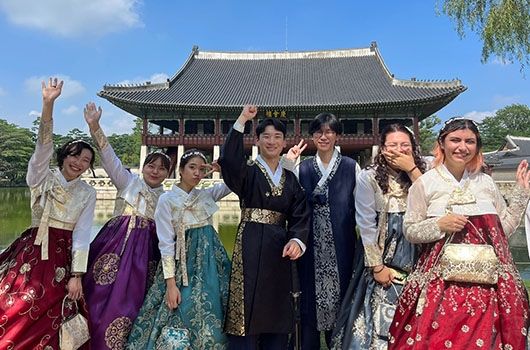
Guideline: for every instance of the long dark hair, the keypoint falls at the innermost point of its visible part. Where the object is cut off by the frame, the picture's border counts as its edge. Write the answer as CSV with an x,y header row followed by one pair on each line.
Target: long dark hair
x,y
382,167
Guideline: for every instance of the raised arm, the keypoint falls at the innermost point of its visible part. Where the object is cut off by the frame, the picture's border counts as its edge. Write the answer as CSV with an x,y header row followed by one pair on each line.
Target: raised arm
x,y
40,160
510,216
233,161
119,175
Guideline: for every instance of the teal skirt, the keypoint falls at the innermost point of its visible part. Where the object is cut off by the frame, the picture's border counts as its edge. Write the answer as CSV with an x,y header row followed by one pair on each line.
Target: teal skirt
x,y
203,306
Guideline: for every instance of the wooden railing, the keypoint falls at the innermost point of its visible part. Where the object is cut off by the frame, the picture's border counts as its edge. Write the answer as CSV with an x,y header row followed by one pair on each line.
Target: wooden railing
x,y
207,141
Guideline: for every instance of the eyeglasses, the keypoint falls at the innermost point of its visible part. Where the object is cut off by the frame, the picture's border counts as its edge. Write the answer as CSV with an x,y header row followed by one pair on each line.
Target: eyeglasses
x,y
318,134
398,145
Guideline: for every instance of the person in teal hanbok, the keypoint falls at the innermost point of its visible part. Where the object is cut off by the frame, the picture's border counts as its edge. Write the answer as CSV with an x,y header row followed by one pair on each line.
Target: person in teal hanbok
x,y
186,306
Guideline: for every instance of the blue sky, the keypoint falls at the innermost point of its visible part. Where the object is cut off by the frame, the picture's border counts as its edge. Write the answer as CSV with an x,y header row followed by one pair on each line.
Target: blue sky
x,y
91,43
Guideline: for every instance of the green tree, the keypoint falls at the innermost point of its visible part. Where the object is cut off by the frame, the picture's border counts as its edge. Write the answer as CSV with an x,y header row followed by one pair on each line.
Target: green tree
x,y
513,120
17,147
427,133
503,26
127,146
76,134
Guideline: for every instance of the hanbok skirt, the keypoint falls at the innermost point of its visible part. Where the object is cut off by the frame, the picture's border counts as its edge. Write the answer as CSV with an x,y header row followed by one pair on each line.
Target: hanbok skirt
x,y
367,309
436,314
121,267
32,291
203,306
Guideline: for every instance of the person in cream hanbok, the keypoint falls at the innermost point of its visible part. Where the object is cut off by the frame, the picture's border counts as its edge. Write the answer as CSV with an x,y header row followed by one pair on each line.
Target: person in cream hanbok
x,y
457,202
124,254
186,306
46,262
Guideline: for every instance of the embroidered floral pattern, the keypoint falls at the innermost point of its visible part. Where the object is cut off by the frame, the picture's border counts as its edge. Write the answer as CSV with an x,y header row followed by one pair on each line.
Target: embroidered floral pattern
x,y
60,272
106,268
201,312
327,282
117,332
25,268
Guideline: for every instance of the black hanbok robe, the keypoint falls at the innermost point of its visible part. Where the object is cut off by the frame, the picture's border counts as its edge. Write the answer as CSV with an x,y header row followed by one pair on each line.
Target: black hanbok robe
x,y
260,299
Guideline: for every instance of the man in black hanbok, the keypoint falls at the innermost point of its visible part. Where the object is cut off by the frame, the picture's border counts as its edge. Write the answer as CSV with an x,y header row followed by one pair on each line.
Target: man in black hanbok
x,y
273,231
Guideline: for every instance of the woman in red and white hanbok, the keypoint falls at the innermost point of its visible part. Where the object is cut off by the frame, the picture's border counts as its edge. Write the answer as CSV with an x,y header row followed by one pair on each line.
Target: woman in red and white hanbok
x,y
47,261
456,198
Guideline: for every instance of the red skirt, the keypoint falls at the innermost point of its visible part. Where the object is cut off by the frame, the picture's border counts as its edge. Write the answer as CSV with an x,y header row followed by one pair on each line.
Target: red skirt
x,y
463,315
32,291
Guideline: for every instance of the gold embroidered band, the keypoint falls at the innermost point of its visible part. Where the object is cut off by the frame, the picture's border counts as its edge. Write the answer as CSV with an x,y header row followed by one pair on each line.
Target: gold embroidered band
x,y
263,216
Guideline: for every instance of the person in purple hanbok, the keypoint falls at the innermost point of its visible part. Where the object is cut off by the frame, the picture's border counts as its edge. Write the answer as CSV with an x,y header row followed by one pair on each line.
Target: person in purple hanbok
x,y
124,255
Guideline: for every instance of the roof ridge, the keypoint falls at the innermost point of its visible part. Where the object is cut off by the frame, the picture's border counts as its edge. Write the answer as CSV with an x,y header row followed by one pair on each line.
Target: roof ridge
x,y
519,137
136,86
427,83
358,52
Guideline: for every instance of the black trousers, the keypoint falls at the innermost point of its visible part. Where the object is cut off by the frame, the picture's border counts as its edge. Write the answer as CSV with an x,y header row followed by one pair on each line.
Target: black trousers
x,y
264,341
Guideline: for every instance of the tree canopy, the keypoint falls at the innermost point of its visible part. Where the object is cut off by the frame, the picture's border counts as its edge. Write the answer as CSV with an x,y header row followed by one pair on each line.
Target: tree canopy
x,y
427,134
17,147
513,120
503,26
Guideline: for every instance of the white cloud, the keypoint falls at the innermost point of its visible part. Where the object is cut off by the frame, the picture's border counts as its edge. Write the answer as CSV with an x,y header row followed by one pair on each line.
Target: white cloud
x,y
155,78
478,116
70,88
3,91
70,110
73,18
116,121
34,114
122,125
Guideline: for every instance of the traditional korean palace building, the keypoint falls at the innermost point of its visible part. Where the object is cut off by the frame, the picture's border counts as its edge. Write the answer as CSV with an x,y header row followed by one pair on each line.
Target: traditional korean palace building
x,y
198,105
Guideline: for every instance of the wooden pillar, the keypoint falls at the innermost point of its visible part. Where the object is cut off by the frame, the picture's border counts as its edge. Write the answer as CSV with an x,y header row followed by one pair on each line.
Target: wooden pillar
x,y
375,129
143,146
180,152
217,129
416,125
297,132
216,154
181,129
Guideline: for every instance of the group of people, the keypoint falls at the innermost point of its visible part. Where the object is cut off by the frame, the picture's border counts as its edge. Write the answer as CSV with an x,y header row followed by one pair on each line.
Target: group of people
x,y
324,250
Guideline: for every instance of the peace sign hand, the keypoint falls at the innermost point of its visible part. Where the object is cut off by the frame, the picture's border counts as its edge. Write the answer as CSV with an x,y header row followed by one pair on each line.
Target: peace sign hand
x,y
295,151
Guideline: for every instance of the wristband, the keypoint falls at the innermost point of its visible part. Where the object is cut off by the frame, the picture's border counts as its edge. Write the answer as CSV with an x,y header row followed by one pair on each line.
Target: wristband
x,y
411,170
381,269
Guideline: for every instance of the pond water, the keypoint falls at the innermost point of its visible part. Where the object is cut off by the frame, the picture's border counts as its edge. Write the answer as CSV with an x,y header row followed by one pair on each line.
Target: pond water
x,y
15,218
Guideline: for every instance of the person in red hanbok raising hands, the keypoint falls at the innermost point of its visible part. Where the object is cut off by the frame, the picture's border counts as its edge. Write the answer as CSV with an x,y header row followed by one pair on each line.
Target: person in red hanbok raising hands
x,y
457,202
47,261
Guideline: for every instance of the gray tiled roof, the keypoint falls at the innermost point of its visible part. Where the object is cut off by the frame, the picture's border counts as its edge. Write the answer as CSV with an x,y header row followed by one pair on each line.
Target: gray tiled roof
x,y
337,79
510,154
